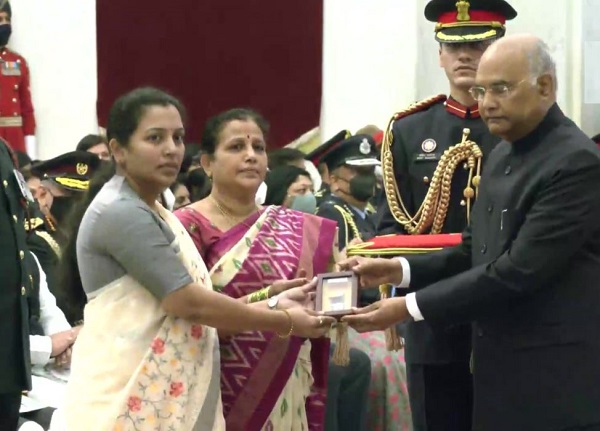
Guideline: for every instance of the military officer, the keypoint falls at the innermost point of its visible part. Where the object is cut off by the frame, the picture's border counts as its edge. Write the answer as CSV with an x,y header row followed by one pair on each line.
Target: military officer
x,y
63,181
17,120
351,167
15,283
420,200
315,157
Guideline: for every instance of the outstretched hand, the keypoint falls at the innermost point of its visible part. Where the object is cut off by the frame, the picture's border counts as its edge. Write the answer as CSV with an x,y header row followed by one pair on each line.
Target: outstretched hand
x,y
378,316
373,272
282,285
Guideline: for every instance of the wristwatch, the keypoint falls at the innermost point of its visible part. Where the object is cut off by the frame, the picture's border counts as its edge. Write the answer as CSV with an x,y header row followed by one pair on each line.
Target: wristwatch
x,y
272,302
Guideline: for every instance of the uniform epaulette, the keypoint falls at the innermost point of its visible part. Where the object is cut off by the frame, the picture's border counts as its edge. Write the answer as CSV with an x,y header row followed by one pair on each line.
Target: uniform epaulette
x,y
420,106
33,223
51,241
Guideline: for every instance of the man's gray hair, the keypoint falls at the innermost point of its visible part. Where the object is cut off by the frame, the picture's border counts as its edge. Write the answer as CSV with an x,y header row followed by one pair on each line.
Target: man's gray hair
x,y
541,61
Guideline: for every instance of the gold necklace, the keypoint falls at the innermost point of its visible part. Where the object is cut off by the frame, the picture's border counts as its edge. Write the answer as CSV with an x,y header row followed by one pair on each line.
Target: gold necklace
x,y
234,220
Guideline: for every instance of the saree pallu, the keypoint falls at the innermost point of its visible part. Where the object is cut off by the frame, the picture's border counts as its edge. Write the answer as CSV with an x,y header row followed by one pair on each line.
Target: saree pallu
x,y
135,368
262,374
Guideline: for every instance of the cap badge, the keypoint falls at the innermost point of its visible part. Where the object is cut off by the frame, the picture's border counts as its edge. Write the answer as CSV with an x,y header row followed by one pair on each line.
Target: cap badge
x,y
462,8
82,168
365,147
428,145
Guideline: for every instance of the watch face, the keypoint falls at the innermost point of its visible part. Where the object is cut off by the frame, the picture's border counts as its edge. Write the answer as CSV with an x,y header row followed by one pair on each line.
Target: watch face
x,y
272,302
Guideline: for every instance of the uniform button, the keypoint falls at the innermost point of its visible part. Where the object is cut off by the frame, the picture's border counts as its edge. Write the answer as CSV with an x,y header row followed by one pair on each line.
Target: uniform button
x,y
5,183
508,170
466,166
479,332
483,249
31,280
16,86
462,203
15,114
426,180
23,291
14,100
490,208
15,218
22,255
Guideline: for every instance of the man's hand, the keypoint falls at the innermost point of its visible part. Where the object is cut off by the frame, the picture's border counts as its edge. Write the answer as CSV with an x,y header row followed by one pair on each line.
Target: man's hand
x,y
378,316
61,341
373,272
64,359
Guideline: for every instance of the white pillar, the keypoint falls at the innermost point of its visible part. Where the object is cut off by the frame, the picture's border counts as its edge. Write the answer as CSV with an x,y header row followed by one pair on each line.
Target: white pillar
x,y
369,57
58,39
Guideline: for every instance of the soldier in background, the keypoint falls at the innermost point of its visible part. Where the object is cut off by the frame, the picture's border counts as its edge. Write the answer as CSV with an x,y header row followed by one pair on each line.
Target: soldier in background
x,y
16,281
17,120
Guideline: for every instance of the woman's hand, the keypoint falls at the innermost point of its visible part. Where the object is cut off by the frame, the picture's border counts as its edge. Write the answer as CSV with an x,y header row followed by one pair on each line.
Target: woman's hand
x,y
309,324
282,285
303,296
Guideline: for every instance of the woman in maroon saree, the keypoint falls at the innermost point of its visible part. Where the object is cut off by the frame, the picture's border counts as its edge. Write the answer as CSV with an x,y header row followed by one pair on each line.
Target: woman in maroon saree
x,y
267,382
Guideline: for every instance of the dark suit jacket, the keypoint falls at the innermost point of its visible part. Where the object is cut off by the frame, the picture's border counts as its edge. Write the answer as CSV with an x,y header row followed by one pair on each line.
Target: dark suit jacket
x,y
413,169
15,282
528,275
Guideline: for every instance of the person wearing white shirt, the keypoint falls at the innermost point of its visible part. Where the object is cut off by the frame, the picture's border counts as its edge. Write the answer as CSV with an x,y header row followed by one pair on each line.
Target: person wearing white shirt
x,y
45,349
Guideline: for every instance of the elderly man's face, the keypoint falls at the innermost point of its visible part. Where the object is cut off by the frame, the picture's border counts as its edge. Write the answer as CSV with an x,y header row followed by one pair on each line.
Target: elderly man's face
x,y
509,97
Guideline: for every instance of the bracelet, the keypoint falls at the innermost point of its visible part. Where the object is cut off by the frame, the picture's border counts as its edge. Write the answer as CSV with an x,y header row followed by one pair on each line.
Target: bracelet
x,y
259,295
291,326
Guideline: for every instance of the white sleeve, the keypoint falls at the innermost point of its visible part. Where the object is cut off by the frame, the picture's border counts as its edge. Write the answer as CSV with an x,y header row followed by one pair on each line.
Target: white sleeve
x,y
52,318
40,347
413,308
405,273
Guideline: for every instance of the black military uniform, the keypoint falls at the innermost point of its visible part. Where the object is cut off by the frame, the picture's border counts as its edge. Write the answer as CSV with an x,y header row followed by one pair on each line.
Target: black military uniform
x,y
71,172
15,282
356,151
439,379
315,157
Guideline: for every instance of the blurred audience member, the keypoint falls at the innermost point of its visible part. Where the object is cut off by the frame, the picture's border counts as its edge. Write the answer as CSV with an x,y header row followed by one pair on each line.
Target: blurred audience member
x,y
181,192
96,144
290,187
286,156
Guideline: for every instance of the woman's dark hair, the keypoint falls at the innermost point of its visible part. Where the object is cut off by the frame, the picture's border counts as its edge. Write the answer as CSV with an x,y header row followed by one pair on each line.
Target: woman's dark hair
x,y
89,141
198,184
127,111
278,182
180,180
192,150
215,125
71,298
123,120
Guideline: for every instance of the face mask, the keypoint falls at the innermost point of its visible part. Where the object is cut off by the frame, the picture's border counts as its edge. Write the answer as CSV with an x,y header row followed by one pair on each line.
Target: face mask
x,y
306,203
5,32
362,187
61,205
261,194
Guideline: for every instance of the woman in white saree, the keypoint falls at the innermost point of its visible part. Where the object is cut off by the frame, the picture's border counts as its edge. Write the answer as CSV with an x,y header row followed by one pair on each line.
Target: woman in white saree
x,y
148,355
